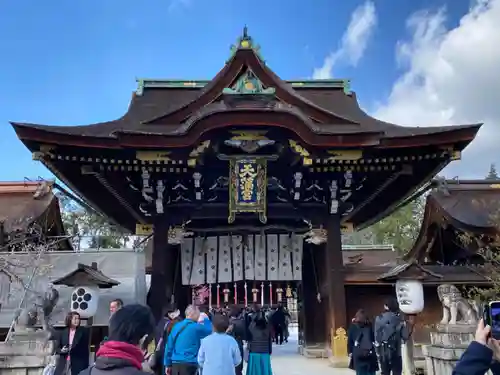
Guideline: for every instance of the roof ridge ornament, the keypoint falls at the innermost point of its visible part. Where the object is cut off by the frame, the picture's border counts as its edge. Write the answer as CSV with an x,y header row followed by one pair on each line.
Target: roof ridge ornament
x,y
245,42
248,83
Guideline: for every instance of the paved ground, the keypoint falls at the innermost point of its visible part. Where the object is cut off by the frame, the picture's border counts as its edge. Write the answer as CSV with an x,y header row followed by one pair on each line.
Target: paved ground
x,y
287,361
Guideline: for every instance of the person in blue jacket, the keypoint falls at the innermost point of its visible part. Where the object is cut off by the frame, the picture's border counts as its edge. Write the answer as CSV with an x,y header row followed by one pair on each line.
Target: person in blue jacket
x,y
477,359
183,343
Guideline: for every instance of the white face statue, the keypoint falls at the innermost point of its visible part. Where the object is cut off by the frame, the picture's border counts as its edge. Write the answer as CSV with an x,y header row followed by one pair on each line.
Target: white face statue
x,y
410,295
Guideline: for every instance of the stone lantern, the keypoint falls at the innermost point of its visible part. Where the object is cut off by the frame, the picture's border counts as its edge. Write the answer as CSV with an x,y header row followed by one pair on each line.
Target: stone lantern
x,y
86,281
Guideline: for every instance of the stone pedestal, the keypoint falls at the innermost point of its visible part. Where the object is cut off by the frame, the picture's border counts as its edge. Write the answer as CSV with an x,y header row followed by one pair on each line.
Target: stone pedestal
x,y
26,353
314,351
448,343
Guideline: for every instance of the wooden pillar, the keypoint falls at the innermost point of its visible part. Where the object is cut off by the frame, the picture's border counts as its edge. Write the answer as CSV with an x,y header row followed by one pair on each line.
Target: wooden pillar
x,y
313,277
182,292
162,270
335,290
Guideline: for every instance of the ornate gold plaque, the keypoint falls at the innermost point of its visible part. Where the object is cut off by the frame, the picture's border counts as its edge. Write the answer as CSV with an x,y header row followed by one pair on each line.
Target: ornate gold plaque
x,y
247,187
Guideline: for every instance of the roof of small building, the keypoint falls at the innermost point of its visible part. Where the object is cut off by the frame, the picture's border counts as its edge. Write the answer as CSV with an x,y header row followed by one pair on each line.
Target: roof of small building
x,y
467,206
84,273
25,202
409,269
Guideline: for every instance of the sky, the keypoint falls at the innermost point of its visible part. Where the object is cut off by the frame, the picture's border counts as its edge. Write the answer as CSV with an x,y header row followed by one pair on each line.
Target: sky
x,y
418,62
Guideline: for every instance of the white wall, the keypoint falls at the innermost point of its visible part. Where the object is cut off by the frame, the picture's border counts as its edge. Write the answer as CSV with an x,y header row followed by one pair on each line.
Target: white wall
x,y
125,266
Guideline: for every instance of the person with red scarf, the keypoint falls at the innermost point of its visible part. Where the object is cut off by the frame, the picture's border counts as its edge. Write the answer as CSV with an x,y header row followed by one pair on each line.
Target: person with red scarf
x,y
123,353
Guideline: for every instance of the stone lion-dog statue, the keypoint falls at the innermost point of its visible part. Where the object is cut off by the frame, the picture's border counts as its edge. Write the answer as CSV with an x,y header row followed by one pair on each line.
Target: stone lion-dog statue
x,y
455,306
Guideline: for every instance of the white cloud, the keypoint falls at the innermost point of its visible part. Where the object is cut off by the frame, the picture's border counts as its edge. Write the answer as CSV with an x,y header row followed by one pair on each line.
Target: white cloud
x,y
354,41
452,77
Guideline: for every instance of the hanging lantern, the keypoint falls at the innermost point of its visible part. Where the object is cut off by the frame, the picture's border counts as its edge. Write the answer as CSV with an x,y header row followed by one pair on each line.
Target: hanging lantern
x,y
410,296
225,292
279,292
288,292
85,300
255,292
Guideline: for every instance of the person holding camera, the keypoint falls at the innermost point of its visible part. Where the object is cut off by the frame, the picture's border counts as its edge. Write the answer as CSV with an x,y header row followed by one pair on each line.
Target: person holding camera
x,y
477,359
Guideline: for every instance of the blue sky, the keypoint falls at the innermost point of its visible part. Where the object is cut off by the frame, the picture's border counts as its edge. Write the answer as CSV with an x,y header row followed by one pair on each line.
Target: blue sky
x,y
75,62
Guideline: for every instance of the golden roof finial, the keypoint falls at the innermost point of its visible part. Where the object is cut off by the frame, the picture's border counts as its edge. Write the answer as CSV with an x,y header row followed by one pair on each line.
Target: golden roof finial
x,y
245,41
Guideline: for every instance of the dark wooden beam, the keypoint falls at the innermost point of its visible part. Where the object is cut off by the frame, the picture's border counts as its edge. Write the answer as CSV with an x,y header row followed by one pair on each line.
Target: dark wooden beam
x,y
90,191
164,261
421,176
120,197
405,170
335,290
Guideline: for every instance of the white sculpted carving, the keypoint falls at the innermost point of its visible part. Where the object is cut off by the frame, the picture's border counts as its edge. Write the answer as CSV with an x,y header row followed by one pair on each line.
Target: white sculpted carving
x,y
160,188
298,181
348,179
334,203
176,235
197,184
316,236
410,295
146,187
346,192
455,306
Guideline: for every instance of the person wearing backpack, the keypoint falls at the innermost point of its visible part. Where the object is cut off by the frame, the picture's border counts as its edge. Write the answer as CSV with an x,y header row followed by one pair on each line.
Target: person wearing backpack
x,y
391,331
360,345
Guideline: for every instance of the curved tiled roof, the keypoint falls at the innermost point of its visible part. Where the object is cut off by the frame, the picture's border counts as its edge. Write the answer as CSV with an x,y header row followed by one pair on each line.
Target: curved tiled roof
x,y
165,110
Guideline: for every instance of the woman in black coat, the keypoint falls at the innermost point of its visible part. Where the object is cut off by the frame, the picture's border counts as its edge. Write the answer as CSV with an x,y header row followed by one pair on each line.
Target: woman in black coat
x,y
72,347
360,345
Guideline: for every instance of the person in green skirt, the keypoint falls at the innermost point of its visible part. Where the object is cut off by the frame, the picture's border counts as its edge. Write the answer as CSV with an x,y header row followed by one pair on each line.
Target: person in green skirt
x,y
259,346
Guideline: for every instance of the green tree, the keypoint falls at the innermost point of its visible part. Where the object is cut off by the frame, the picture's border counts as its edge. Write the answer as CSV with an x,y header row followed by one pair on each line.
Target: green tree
x,y
492,174
362,237
89,228
488,249
401,228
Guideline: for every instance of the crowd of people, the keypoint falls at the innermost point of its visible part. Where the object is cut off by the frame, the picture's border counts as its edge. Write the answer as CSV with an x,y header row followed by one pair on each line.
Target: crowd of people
x,y
213,342
219,341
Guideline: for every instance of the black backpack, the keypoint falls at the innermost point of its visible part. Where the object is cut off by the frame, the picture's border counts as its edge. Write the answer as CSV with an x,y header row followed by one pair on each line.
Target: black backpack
x,y
391,339
363,346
